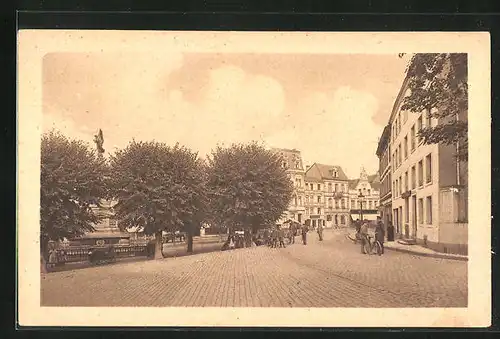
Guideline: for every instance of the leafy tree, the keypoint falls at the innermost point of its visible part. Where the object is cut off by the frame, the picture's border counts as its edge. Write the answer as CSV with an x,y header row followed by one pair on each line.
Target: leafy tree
x,y
157,188
248,188
438,84
71,181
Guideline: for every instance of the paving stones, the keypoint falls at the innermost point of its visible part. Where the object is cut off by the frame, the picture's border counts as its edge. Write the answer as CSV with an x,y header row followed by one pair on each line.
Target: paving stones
x,y
331,273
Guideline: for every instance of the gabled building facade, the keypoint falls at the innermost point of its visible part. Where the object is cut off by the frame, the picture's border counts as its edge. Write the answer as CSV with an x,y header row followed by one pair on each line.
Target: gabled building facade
x,y
364,196
326,196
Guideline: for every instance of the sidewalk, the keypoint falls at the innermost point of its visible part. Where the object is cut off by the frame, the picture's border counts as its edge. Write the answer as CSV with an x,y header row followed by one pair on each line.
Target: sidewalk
x,y
423,251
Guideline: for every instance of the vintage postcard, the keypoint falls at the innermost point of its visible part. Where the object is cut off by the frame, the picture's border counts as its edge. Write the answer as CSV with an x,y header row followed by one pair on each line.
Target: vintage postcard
x,y
295,179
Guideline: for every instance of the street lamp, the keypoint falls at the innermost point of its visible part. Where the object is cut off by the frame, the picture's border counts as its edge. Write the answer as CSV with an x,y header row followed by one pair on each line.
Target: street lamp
x,y
361,196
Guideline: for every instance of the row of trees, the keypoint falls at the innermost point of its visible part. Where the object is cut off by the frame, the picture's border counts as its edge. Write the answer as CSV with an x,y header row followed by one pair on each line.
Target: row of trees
x,y
158,187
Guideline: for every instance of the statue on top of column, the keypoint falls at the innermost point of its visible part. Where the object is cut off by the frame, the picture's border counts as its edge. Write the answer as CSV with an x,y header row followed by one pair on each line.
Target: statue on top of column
x,y
99,141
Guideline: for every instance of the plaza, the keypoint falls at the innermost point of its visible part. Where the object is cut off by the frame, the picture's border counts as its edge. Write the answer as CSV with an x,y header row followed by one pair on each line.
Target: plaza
x,y
331,273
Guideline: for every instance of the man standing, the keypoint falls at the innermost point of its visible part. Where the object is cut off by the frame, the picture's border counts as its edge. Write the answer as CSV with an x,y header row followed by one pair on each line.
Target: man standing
x,y
281,237
274,237
293,231
380,233
363,233
320,231
304,234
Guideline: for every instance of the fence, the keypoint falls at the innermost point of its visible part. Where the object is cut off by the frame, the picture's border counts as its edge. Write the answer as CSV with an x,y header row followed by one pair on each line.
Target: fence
x,y
81,253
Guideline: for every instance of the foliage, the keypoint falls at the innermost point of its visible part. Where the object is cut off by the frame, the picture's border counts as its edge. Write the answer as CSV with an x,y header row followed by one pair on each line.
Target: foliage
x,y
247,186
71,181
157,187
438,84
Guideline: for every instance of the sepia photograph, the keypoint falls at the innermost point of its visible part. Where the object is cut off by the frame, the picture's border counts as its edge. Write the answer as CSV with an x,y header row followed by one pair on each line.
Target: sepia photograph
x,y
310,178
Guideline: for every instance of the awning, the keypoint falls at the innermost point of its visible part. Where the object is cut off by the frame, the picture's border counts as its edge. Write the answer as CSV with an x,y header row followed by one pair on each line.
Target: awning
x,y
370,217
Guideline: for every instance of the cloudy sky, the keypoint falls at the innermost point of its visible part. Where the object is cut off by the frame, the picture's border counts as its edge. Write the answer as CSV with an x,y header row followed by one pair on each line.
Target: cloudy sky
x,y
331,107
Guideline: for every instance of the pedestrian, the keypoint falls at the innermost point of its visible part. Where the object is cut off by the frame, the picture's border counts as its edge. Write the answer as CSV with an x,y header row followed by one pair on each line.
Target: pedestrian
x,y
363,232
320,232
274,238
281,237
52,258
380,233
304,234
293,232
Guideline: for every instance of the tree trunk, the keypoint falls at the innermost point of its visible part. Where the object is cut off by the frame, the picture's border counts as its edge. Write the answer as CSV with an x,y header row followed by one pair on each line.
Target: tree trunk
x,y
190,239
158,245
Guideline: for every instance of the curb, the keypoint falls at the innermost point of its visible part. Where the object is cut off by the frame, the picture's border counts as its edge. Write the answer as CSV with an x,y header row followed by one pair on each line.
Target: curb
x,y
432,255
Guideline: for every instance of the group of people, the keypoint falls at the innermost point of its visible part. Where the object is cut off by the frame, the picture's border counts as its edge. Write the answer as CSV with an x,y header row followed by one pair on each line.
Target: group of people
x,y
273,237
362,233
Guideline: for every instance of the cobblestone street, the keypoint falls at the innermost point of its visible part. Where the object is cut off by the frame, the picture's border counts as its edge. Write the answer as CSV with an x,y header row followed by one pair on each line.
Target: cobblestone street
x,y
332,273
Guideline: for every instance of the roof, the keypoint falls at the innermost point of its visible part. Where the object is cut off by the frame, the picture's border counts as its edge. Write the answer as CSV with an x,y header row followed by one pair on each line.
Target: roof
x,y
373,179
353,183
384,140
321,172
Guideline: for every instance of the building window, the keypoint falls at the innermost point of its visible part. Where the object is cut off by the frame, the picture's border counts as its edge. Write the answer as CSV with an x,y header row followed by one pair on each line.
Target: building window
x,y
295,201
420,173
428,169
336,203
336,187
406,181
329,187
370,206
300,200
400,185
353,204
399,154
413,178
328,217
342,219
419,124
359,204
429,211
397,187
319,198
343,203
319,210
319,187
413,138
420,211
406,147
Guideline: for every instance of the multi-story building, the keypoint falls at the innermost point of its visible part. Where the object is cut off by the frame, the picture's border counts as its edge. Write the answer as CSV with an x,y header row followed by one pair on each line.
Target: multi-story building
x,y
326,196
384,156
292,162
364,197
429,203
